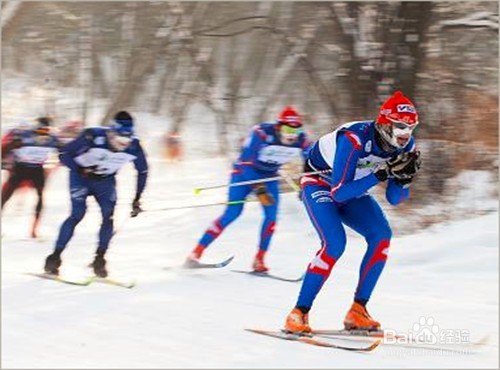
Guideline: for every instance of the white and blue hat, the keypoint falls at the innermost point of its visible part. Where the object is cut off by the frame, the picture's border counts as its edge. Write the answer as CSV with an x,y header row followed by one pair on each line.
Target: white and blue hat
x,y
123,124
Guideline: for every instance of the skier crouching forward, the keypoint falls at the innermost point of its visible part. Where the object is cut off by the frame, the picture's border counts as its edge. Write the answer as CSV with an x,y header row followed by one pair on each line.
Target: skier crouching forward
x,y
361,155
94,158
29,150
269,146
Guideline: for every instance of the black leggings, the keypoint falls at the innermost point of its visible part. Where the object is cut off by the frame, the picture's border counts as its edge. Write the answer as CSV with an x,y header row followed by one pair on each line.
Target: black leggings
x,y
20,174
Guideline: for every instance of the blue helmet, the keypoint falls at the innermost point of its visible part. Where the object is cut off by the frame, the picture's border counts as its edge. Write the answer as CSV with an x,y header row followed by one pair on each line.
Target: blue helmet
x,y
123,124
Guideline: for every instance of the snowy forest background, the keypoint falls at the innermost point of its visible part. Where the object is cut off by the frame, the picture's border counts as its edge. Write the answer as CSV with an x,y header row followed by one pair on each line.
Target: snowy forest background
x,y
211,70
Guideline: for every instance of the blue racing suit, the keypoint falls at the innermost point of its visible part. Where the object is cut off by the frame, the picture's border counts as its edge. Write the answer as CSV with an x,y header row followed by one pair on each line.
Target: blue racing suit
x,y
262,156
351,153
92,150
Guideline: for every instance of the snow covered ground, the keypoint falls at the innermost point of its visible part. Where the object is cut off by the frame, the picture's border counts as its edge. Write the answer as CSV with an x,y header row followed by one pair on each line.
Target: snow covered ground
x,y
195,319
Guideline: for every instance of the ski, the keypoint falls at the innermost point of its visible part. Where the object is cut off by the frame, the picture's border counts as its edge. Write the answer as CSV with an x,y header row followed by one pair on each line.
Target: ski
x,y
111,281
270,276
397,339
371,334
351,333
201,265
311,339
60,279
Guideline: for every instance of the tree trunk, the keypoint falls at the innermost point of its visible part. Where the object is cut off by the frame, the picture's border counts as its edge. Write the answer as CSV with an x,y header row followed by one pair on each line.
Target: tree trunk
x,y
140,64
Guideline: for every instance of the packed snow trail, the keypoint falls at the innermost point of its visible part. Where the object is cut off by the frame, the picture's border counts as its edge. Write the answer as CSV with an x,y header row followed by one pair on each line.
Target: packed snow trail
x,y
196,318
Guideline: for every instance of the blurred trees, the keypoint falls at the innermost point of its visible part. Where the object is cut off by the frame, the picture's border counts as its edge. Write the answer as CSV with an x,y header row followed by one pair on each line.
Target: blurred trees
x,y
334,61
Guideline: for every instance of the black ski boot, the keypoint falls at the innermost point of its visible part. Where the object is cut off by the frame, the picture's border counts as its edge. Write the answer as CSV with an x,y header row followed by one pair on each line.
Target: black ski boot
x,y
52,263
99,266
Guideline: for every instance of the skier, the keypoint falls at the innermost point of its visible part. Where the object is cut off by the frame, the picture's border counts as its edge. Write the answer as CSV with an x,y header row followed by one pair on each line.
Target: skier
x,y
173,146
10,139
94,158
360,155
268,147
28,150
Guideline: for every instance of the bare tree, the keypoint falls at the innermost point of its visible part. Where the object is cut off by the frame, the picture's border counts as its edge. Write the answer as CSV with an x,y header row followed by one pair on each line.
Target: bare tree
x,y
140,64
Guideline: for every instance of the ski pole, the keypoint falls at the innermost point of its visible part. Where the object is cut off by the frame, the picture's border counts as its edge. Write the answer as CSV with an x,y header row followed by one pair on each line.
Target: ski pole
x,y
201,205
249,182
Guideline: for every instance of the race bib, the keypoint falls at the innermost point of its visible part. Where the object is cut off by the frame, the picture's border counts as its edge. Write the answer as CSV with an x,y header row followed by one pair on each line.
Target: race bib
x,y
367,165
105,161
278,154
33,154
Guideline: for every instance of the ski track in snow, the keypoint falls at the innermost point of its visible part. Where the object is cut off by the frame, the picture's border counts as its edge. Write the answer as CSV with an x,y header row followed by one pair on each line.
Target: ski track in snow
x,y
195,319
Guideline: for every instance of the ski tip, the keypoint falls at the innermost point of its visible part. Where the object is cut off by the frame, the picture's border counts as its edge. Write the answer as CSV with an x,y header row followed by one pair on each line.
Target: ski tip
x,y
268,275
111,281
129,285
483,341
253,330
44,275
195,265
197,191
225,262
272,333
374,345
126,285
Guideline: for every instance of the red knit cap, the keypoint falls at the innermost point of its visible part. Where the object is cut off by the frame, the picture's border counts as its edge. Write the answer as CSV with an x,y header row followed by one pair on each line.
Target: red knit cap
x,y
398,108
290,117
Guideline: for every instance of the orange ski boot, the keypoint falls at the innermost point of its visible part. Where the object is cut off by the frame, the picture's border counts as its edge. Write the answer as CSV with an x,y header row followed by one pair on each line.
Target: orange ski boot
x,y
258,263
358,318
195,256
297,322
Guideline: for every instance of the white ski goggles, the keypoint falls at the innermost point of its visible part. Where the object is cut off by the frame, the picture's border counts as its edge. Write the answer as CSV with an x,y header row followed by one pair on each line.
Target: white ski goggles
x,y
402,128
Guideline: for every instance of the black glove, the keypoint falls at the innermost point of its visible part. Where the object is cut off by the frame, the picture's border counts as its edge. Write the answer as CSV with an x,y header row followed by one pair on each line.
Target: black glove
x,y
85,171
89,173
262,195
406,167
402,167
382,171
136,208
